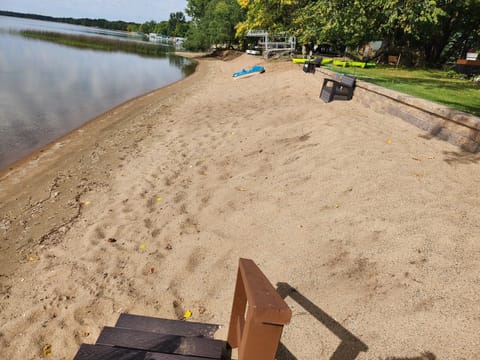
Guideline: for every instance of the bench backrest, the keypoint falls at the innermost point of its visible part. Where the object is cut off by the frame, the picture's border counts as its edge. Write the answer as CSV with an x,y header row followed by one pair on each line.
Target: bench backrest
x,y
256,329
348,81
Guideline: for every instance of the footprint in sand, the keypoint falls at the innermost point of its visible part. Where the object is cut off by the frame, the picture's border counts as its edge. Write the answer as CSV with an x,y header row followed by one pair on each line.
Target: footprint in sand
x,y
148,223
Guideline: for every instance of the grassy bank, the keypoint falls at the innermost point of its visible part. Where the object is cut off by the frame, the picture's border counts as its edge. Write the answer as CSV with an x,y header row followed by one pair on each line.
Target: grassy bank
x,y
433,85
99,43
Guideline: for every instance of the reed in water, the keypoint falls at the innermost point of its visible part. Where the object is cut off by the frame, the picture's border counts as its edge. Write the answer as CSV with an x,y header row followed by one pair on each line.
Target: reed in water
x,y
100,43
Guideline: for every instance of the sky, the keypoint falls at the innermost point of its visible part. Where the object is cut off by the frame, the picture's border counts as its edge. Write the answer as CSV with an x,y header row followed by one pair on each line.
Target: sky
x,y
138,11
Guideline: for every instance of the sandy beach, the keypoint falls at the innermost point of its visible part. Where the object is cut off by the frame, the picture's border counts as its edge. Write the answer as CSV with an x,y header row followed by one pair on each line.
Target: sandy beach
x,y
147,209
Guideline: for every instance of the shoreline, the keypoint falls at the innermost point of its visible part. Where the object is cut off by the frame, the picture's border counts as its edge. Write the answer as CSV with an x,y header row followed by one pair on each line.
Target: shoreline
x,y
147,209
32,165
36,153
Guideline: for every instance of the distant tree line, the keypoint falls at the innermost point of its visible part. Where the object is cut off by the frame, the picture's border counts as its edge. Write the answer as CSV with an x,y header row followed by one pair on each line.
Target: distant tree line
x,y
177,25
100,23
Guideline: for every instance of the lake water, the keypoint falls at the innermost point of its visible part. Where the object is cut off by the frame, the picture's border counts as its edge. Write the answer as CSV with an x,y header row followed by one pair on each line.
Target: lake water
x,y
47,90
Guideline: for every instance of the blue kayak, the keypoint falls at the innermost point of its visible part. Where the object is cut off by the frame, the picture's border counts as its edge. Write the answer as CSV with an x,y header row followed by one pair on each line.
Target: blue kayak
x,y
257,69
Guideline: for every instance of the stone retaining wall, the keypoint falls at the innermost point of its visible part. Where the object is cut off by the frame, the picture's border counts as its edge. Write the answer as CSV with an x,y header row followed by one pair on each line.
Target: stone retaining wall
x,y
454,126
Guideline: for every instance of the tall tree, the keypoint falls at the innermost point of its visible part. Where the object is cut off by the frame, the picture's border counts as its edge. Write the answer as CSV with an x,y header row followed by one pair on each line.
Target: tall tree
x,y
177,24
213,22
422,29
457,29
272,15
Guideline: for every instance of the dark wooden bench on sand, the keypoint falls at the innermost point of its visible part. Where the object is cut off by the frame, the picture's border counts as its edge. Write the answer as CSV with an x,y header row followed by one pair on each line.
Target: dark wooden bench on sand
x,y
310,65
338,89
256,324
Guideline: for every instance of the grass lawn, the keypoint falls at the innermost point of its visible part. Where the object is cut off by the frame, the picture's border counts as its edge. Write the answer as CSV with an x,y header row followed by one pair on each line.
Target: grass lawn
x,y
433,85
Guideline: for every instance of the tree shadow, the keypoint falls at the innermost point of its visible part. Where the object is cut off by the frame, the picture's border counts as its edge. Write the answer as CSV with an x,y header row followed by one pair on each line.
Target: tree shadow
x,y
434,132
461,157
350,346
469,151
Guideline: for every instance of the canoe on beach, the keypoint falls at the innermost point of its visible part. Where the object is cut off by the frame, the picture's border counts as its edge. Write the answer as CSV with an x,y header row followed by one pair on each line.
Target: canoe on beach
x,y
325,61
359,64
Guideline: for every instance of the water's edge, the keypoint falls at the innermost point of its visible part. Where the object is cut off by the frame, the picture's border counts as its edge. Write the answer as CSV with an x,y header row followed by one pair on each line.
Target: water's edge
x,y
35,153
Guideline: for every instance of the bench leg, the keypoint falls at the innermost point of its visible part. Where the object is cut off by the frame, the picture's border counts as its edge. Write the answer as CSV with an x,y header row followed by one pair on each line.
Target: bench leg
x,y
259,341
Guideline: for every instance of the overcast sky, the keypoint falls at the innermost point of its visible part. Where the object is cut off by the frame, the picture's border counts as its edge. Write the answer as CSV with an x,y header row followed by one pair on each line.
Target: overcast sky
x,y
128,10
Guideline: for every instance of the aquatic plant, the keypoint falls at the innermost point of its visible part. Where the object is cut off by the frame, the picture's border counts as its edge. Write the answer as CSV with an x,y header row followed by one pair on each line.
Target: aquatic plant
x,y
100,43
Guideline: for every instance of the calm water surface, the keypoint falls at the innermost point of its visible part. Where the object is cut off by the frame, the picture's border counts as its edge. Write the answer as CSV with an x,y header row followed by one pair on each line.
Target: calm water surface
x,y
47,90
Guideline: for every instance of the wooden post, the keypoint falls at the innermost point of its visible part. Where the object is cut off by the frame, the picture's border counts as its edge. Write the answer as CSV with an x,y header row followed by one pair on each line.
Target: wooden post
x,y
258,315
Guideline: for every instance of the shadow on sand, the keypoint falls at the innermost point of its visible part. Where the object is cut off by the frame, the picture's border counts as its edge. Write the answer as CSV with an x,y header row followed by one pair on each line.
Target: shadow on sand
x,y
350,346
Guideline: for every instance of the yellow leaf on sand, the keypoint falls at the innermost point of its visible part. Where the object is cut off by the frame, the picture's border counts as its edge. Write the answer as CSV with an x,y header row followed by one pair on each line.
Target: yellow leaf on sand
x,y
143,246
47,350
86,203
159,199
389,141
187,315
33,258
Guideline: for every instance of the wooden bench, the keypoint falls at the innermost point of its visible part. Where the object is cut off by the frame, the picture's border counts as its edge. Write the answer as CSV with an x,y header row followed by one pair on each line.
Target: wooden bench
x,y
310,65
256,324
338,89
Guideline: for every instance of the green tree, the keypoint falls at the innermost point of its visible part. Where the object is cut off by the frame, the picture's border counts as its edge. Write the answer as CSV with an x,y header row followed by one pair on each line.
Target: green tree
x,y
132,27
196,9
213,22
148,27
272,15
162,28
177,24
224,16
426,31
457,29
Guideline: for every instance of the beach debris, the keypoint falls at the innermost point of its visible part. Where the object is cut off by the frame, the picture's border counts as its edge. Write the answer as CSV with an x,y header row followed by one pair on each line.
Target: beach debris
x,y
152,270
143,246
337,206
159,199
239,188
169,247
112,240
47,350
33,258
188,314
389,141
87,203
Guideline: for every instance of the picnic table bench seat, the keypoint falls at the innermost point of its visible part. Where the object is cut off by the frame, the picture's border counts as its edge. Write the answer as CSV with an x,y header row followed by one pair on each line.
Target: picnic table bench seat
x,y
310,65
257,319
141,337
341,89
